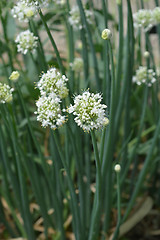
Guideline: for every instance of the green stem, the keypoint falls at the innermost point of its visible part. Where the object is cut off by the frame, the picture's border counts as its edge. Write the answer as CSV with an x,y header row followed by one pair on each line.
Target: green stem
x,y
116,233
85,23
120,52
74,202
96,212
52,42
23,190
4,26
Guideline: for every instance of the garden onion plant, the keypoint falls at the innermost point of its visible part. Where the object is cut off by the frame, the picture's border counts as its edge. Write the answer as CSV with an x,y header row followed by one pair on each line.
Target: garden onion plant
x,y
79,117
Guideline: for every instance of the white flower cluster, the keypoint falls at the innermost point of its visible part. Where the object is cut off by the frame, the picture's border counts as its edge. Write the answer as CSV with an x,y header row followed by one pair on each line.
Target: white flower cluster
x,y
26,41
5,93
52,86
89,112
75,18
156,15
77,65
144,76
38,3
146,18
143,18
23,11
49,111
53,81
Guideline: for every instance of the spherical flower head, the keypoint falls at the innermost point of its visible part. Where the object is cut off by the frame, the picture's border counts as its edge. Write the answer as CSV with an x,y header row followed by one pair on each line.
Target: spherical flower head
x,y
144,76
49,111
156,15
88,111
23,11
5,93
106,34
14,76
143,18
77,65
26,41
75,18
117,168
53,81
38,3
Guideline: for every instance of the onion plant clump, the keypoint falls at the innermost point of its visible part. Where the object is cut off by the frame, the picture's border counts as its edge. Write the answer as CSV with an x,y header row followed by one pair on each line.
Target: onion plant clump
x,y
79,118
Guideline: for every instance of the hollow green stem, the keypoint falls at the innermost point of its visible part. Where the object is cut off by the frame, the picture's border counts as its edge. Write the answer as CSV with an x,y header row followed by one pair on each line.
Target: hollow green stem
x,y
74,202
116,233
52,42
85,23
96,212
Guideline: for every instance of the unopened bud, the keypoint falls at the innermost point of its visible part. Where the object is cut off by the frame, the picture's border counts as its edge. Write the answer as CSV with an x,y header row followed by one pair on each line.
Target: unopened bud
x,y
14,76
146,54
117,168
106,34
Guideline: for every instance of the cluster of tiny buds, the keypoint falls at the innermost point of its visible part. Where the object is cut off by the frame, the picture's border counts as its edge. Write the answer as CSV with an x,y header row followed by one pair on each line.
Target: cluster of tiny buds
x,y
23,11
53,81
146,18
89,112
5,93
26,41
52,86
144,76
75,18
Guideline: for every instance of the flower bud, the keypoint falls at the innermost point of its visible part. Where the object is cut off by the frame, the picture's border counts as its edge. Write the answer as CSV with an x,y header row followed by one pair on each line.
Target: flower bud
x,y
146,54
14,76
106,34
117,168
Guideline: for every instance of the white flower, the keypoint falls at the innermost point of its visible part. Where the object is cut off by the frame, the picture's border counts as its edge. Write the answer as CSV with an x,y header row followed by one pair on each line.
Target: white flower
x,y
143,18
23,11
144,76
77,65
75,18
26,41
5,93
53,81
49,111
38,3
88,111
156,15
